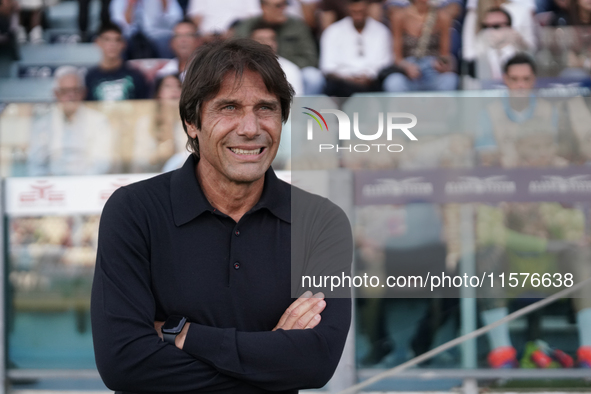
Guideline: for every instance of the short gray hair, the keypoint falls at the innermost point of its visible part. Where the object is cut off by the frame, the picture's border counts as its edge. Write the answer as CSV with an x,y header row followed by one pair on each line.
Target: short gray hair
x,y
64,71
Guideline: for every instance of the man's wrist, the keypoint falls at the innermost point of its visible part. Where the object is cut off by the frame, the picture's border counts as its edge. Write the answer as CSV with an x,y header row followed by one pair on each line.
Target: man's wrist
x,y
179,341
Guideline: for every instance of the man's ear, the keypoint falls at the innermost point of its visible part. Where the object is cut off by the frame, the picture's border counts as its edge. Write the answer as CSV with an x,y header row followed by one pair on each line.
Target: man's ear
x,y
191,129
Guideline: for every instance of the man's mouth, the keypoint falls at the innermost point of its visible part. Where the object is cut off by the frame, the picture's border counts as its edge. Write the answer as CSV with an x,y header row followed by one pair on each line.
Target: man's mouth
x,y
247,152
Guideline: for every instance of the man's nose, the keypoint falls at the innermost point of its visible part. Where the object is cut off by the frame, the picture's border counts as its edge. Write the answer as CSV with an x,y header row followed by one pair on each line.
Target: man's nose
x,y
249,125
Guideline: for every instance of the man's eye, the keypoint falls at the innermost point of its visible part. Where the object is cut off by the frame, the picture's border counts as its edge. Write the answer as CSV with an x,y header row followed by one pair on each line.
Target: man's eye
x,y
230,107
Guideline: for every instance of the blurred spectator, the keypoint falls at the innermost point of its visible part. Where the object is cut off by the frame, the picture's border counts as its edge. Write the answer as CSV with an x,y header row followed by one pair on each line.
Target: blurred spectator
x,y
184,41
422,50
335,10
8,27
147,22
84,10
520,11
214,17
496,43
70,138
171,140
294,41
353,51
112,79
519,130
265,34
508,117
166,135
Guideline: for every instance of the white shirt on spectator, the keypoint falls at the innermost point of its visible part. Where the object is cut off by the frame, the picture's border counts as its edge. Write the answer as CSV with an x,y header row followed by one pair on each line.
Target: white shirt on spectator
x,y
346,52
149,16
293,75
218,15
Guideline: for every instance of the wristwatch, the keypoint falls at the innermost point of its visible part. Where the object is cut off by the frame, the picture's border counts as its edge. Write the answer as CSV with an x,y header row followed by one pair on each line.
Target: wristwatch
x,y
173,327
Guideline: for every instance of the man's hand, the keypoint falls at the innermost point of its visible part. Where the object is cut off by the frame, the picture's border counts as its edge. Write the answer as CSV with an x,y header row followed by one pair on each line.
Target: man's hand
x,y
303,313
158,326
179,341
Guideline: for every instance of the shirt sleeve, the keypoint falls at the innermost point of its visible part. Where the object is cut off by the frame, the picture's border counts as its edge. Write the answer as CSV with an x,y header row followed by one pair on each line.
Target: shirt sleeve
x,y
129,354
288,359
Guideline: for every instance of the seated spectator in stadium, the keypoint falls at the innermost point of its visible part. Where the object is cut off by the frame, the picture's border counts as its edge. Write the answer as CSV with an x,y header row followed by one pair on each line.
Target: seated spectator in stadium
x,y
184,41
521,130
70,138
160,135
294,41
265,34
520,11
147,19
332,11
422,50
353,51
112,79
215,17
496,43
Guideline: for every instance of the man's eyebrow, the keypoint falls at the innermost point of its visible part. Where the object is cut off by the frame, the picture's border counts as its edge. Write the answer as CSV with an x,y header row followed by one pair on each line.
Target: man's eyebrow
x,y
268,103
222,102
225,101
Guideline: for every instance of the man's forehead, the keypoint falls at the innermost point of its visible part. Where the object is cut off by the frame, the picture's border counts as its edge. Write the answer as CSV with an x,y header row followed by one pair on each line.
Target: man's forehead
x,y
68,80
185,27
247,87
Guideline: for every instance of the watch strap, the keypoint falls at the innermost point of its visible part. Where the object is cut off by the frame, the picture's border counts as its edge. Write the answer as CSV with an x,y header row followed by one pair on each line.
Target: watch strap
x,y
169,338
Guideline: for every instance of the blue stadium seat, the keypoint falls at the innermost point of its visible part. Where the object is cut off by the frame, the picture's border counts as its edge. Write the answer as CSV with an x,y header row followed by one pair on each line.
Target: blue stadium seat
x,y
26,90
34,58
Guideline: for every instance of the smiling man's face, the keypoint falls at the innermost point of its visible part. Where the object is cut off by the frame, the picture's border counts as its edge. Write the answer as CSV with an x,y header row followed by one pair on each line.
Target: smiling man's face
x,y
240,130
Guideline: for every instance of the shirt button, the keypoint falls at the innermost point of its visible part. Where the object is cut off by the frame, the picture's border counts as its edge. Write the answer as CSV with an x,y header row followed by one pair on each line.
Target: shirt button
x,y
236,265
237,232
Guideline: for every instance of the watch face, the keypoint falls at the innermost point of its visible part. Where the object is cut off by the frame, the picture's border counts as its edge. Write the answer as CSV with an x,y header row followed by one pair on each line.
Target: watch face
x,y
174,324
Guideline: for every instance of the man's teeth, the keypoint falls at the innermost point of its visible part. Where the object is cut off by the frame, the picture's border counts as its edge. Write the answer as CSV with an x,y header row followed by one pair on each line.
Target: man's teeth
x,y
246,152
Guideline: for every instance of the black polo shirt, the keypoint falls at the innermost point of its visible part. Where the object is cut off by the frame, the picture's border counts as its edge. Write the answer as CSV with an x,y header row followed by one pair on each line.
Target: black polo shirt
x,y
164,250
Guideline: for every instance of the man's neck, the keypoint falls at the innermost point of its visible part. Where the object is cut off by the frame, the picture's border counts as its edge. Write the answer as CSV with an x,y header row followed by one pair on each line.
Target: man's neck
x,y
233,199
110,64
359,26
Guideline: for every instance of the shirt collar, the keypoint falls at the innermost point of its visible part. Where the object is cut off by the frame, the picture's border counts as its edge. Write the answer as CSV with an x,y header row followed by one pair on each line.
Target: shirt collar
x,y
189,201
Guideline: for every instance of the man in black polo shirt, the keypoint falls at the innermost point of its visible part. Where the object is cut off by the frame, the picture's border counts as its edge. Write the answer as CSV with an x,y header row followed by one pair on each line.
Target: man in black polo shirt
x,y
211,243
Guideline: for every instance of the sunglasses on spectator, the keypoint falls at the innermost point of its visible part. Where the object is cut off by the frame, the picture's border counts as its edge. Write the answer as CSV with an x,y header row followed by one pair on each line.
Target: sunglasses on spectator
x,y
495,26
283,4
186,35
